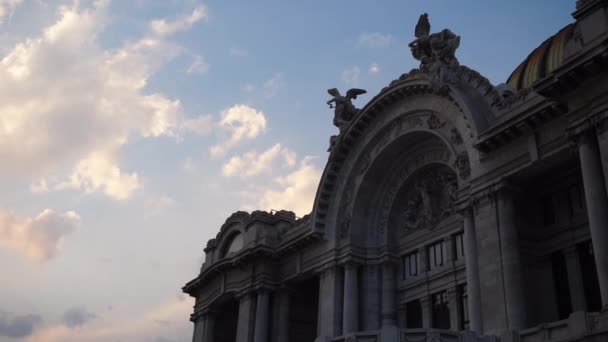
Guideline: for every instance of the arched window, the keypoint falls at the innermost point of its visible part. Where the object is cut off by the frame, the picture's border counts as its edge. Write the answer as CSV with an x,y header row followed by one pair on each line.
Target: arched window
x,y
235,244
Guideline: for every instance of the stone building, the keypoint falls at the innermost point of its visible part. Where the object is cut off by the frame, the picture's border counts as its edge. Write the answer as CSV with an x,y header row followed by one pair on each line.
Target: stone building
x,y
449,210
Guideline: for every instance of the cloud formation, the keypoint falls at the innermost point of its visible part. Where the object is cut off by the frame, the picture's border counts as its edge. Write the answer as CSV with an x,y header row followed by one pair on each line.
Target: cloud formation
x,y
294,191
251,163
18,326
76,317
142,328
7,7
273,85
68,105
39,238
240,122
198,66
374,40
374,68
164,27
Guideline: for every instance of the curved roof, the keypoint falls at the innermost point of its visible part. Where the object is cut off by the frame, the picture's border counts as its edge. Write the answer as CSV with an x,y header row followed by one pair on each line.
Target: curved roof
x,y
542,61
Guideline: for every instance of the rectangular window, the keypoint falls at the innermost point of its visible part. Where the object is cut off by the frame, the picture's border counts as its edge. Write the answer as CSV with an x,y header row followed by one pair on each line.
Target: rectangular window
x,y
459,246
440,310
463,307
436,255
413,315
410,265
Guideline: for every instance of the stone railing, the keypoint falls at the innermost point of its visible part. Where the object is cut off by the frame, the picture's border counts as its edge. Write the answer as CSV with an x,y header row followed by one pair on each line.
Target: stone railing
x,y
363,336
418,335
424,335
579,326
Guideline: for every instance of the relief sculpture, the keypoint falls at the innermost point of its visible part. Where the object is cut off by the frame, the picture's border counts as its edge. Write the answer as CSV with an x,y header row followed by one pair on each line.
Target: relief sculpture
x,y
429,199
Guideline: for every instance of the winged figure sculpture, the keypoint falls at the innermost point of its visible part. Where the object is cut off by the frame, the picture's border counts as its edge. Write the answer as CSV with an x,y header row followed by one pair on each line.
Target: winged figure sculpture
x,y
344,110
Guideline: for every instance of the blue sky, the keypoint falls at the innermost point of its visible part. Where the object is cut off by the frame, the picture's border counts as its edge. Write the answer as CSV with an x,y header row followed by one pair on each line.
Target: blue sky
x,y
129,130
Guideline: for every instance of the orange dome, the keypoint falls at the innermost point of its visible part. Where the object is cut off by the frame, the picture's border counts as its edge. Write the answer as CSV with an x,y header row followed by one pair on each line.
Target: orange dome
x,y
542,61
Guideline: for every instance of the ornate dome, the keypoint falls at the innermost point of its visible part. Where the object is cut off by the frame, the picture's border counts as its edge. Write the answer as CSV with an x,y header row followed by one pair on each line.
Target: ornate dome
x,y
542,61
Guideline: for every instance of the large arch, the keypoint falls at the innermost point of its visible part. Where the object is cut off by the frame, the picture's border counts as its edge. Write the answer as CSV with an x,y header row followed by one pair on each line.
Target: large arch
x,y
406,107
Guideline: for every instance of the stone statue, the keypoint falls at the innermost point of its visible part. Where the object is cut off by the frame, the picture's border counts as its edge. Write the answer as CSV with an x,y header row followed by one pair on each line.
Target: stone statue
x,y
436,52
344,110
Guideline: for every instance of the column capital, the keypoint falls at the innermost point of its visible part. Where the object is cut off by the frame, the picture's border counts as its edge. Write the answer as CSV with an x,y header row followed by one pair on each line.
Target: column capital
x,y
586,129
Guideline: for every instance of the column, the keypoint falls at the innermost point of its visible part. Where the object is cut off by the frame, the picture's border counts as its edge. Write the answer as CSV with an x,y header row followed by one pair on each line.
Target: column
x,y
283,316
209,327
597,208
453,307
390,330
330,303
199,329
472,269
426,311
370,302
351,299
244,330
389,295
511,261
261,317
575,280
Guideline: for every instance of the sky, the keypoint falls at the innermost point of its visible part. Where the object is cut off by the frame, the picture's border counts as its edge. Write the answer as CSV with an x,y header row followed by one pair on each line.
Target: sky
x,y
130,130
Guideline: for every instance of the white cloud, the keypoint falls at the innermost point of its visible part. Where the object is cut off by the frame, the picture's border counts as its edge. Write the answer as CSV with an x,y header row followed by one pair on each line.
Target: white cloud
x,y
163,27
198,66
251,163
273,85
240,122
7,7
374,68
200,125
295,191
39,238
68,106
374,40
237,52
351,76
99,172
289,156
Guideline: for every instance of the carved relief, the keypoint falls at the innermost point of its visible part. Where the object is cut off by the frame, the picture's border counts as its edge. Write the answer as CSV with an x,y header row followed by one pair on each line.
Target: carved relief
x,y
429,199
434,123
462,165
455,138
344,227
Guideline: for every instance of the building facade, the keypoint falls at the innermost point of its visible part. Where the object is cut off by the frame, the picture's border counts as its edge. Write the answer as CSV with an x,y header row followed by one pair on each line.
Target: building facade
x,y
449,209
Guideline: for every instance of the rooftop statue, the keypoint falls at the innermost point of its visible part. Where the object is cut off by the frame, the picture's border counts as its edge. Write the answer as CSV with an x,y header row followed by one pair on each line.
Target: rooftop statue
x,y
435,51
344,110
